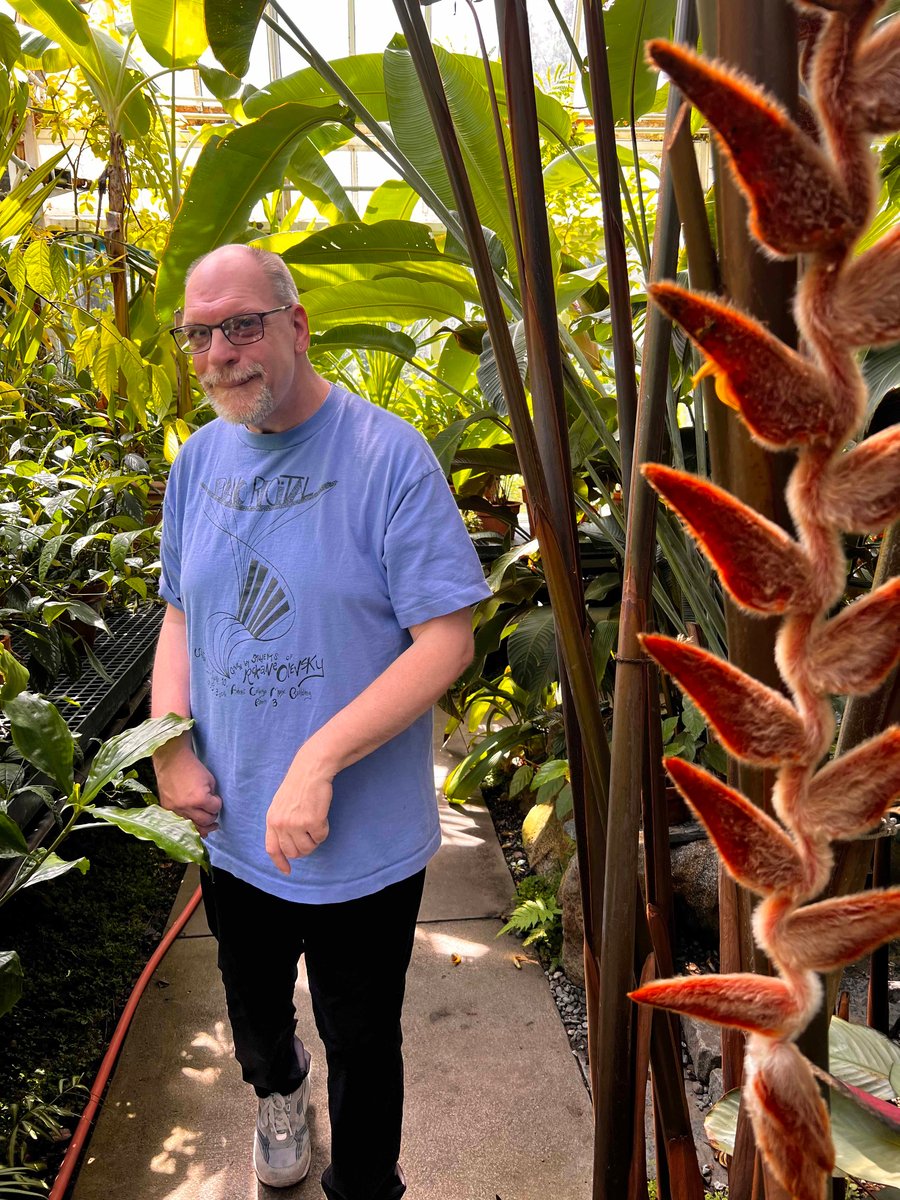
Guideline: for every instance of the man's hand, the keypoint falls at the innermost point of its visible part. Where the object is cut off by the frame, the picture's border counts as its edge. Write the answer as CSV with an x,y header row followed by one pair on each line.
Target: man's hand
x,y
297,820
186,787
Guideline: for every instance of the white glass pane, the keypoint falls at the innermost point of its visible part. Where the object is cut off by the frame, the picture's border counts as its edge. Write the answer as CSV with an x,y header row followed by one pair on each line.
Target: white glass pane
x,y
376,24
453,26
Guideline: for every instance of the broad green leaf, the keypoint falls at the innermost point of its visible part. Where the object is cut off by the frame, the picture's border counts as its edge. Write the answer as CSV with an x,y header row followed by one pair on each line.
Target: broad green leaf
x,y
99,56
488,374
13,675
467,776
572,285
364,76
52,866
456,365
359,242
392,200
121,544
82,612
446,443
363,337
629,24
553,768
12,840
173,834
10,42
412,127
231,27
18,207
222,84
565,803
10,980
881,371
253,159
862,1057
312,175
41,53
532,650
128,747
42,737
173,31
603,640
400,300
521,780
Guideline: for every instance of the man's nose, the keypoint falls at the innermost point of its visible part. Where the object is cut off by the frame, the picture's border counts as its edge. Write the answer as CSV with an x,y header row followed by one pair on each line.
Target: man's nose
x,y
221,352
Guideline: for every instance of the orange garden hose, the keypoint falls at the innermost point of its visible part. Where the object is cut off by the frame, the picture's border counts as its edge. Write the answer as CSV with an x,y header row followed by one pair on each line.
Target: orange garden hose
x,y
79,1138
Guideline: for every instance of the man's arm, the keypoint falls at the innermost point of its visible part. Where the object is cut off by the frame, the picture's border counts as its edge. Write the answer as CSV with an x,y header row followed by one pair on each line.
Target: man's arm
x,y
297,820
185,786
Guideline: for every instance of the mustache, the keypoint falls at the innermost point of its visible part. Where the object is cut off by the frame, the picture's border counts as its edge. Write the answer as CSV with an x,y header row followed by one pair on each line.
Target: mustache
x,y
228,378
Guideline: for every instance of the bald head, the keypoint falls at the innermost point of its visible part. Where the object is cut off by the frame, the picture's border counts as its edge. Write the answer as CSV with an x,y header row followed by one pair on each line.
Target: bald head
x,y
233,259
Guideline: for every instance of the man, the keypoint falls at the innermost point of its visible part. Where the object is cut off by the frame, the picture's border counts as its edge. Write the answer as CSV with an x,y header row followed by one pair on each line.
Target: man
x,y
319,583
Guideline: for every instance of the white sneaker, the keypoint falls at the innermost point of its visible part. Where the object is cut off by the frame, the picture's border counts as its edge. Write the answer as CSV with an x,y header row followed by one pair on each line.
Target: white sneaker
x,y
281,1149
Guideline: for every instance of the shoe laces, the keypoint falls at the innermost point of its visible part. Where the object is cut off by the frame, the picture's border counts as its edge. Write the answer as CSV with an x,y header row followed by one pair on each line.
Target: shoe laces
x,y
275,1114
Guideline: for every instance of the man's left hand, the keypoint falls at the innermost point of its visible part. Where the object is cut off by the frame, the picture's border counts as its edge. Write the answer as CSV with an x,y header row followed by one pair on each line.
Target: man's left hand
x,y
297,820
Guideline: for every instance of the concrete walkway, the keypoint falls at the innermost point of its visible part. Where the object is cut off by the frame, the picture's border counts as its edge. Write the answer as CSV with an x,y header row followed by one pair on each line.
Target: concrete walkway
x,y
496,1109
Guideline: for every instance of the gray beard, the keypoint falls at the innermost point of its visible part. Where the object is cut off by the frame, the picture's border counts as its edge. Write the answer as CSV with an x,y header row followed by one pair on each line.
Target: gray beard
x,y
252,413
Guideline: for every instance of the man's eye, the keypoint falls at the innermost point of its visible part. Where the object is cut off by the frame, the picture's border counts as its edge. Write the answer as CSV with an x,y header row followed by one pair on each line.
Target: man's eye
x,y
195,335
241,324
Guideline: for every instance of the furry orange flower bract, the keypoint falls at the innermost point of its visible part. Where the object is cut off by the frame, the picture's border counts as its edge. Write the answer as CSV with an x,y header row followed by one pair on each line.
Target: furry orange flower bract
x,y
809,195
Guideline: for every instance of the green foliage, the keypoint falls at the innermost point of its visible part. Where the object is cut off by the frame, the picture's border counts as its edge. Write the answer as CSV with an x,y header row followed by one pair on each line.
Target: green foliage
x,y
537,915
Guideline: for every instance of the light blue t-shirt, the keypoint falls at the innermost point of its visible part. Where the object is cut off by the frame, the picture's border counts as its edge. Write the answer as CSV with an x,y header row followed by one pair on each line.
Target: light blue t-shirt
x,y
301,559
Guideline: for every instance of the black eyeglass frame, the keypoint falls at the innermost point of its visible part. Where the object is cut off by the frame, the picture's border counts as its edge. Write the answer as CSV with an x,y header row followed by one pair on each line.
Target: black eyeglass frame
x,y
182,329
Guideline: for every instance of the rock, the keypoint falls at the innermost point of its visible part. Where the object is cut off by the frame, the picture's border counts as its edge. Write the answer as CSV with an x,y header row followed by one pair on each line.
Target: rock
x,y
716,1085
544,840
569,900
695,882
704,1045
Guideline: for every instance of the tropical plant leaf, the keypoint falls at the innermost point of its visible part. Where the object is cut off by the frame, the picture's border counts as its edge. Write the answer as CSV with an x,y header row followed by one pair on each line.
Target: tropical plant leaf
x,y
312,175
13,674
51,867
42,737
392,200
862,1057
173,31
10,42
10,980
363,337
253,159
532,650
400,300
177,837
467,776
231,27
628,25
881,371
99,57
487,374
12,840
128,747
362,242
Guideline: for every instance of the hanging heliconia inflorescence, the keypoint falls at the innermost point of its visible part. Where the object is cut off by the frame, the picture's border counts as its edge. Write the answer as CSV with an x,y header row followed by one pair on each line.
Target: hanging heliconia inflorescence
x,y
811,192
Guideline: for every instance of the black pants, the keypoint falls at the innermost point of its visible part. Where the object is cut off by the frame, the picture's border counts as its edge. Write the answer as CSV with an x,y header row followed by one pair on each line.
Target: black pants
x,y
357,953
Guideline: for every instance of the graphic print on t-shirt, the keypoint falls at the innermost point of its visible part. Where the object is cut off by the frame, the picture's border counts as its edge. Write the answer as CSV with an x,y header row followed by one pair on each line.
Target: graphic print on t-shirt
x,y
260,604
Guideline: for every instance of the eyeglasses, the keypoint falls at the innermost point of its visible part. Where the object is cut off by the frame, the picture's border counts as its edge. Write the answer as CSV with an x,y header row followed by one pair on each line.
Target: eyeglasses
x,y
240,331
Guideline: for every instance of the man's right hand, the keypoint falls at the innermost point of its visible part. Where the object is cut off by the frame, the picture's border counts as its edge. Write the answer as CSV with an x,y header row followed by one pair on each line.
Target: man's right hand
x,y
188,788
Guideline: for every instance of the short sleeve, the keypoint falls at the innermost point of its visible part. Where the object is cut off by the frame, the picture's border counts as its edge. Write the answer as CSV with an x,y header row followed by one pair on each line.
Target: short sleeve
x,y
170,550
432,567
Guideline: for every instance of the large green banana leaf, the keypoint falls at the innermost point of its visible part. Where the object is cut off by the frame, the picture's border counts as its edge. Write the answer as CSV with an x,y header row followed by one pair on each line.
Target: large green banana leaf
x,y
628,25
311,175
364,75
231,27
100,58
10,42
400,300
393,200
173,31
18,208
232,173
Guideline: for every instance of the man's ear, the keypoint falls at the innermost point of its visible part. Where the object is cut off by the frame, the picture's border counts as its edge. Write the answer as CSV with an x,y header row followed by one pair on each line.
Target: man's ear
x,y
301,328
